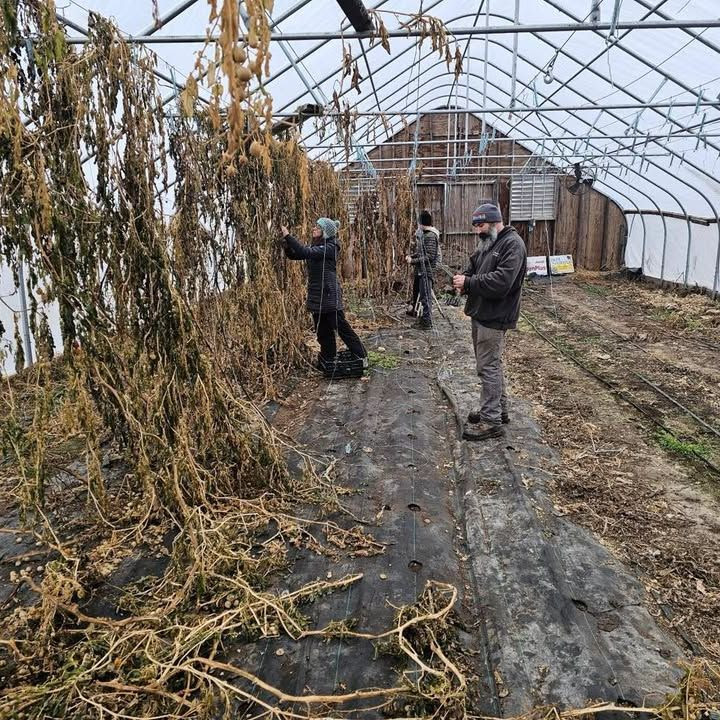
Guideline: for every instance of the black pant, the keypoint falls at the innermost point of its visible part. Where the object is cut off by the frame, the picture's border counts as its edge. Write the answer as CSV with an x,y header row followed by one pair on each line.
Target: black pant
x,y
422,288
416,290
326,325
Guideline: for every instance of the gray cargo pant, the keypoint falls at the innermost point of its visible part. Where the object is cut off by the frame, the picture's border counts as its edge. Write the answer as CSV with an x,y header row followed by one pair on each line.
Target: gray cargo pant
x,y
488,344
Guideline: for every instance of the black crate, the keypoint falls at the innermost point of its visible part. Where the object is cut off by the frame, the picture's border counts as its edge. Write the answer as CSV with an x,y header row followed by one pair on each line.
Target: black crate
x,y
345,365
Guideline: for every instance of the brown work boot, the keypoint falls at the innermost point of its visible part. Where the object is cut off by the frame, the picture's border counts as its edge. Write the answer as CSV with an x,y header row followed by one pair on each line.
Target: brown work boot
x,y
475,417
483,431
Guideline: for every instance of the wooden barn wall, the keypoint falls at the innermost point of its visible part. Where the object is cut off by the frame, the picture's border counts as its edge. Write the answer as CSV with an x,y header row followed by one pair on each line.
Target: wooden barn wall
x,y
590,227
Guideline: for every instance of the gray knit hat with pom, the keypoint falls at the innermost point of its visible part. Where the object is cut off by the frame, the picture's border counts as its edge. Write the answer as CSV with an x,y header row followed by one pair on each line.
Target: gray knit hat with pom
x,y
329,227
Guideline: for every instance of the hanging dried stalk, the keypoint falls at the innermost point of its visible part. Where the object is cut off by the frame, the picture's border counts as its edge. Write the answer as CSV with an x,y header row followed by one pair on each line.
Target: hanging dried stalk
x,y
428,26
382,232
171,326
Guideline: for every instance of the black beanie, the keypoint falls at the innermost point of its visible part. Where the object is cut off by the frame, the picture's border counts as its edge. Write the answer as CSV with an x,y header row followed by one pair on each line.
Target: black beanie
x,y
425,218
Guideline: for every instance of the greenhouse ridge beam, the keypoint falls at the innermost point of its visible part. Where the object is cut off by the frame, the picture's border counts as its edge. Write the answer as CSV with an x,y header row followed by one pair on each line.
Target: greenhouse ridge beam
x,y
310,51
453,32
517,109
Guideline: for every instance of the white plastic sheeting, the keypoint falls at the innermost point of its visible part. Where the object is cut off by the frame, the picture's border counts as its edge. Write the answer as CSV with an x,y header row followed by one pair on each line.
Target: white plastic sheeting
x,y
10,309
657,159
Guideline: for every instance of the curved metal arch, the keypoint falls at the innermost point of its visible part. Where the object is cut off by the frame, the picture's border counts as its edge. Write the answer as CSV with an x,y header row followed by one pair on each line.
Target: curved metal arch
x,y
687,88
614,191
620,119
641,192
660,167
556,48
629,167
500,69
586,64
632,54
573,90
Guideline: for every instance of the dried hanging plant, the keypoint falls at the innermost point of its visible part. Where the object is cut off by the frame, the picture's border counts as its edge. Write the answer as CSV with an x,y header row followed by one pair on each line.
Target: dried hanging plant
x,y
383,229
233,107
428,26
172,328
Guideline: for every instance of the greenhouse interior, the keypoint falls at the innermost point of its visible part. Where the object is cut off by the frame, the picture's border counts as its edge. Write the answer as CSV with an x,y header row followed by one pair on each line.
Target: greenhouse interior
x,y
360,359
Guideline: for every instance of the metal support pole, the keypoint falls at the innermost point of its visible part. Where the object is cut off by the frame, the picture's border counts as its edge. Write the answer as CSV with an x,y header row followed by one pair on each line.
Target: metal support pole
x,y
475,172
635,213
24,319
497,110
687,257
515,57
456,32
485,67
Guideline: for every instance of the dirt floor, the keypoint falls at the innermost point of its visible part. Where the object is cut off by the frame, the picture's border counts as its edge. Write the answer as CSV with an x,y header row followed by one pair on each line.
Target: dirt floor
x,y
584,545
625,382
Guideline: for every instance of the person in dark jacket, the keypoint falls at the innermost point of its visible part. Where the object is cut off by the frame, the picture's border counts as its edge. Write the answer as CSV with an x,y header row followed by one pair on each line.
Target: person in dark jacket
x,y
492,283
324,296
424,261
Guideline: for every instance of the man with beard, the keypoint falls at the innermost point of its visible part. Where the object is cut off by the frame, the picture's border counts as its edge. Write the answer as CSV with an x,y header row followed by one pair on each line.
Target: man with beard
x,y
492,283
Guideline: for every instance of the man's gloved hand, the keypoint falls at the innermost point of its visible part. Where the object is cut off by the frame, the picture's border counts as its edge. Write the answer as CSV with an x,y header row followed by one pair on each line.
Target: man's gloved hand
x,y
284,231
408,259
